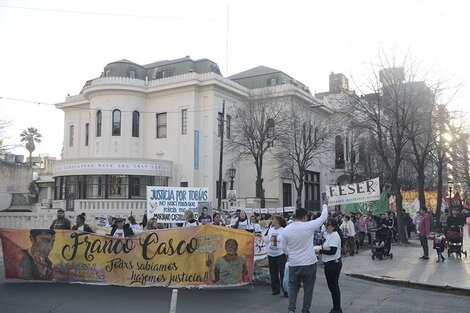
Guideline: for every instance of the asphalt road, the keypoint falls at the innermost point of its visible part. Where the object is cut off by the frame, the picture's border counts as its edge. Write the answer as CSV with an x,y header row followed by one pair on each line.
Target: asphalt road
x,y
358,296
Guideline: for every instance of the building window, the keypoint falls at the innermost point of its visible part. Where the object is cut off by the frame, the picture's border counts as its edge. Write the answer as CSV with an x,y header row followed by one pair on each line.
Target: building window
x,y
184,184
273,81
312,190
132,73
135,124
220,119
228,121
99,119
87,133
118,186
161,181
339,153
71,130
116,123
95,187
184,122
161,125
286,195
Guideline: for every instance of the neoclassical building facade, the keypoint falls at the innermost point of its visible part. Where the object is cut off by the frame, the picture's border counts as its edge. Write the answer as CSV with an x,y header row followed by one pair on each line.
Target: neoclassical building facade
x,y
157,124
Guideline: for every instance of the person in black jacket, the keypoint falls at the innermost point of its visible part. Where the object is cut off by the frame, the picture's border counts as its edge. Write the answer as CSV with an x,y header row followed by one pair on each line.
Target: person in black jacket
x,y
80,224
121,230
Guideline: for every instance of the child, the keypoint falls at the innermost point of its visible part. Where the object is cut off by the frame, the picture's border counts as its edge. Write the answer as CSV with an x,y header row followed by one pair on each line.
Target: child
x,y
439,243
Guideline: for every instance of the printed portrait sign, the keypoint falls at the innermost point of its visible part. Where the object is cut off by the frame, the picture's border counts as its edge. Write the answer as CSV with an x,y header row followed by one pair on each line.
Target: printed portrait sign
x,y
168,204
205,212
179,257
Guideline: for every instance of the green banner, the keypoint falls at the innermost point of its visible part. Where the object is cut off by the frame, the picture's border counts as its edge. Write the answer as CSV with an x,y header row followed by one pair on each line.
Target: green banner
x,y
377,207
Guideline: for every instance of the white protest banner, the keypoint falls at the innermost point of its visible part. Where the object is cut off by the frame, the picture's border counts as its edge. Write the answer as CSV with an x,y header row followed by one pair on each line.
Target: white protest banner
x,y
289,209
167,204
272,210
365,191
280,210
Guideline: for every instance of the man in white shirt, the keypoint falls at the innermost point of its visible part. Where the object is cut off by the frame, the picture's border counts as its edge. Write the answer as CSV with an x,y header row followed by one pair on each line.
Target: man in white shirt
x,y
349,231
297,243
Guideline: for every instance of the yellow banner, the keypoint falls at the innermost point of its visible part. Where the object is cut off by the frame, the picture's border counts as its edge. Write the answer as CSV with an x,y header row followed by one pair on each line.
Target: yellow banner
x,y
177,257
431,198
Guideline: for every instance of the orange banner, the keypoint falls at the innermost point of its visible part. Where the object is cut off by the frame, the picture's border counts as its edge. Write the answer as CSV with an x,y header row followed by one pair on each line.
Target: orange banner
x,y
177,257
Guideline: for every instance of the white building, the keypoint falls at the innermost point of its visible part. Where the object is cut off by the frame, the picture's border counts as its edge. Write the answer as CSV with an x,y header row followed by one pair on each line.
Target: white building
x,y
157,124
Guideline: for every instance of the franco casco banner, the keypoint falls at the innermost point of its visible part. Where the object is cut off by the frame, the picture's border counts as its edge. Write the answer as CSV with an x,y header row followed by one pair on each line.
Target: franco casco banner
x,y
179,257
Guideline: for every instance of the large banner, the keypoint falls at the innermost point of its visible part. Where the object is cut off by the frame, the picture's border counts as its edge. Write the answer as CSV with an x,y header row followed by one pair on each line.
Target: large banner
x,y
168,204
365,191
376,207
181,257
410,196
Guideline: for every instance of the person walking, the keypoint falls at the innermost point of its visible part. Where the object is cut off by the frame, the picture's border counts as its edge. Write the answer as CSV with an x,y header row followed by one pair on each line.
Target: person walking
x,y
424,230
297,243
331,257
276,257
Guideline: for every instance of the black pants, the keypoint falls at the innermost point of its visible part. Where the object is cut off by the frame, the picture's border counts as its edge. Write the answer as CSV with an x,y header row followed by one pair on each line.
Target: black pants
x,y
424,244
369,237
332,271
277,265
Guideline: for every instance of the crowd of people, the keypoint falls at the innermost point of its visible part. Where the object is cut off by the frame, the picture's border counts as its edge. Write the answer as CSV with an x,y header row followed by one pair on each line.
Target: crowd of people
x,y
295,242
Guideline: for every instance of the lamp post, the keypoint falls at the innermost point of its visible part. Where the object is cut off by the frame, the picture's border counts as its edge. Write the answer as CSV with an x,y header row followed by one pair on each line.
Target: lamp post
x,y
231,173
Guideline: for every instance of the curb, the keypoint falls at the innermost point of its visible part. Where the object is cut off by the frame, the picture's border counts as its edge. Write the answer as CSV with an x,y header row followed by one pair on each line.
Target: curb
x,y
411,284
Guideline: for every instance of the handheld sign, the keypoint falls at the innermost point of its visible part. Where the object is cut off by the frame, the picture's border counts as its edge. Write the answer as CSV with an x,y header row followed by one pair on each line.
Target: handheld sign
x,y
168,204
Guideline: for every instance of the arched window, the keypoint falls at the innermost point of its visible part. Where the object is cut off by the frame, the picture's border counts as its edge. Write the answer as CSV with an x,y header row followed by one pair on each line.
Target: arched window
x,y
339,153
135,124
99,120
116,123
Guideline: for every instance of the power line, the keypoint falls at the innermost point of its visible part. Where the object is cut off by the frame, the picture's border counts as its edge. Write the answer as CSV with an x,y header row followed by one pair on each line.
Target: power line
x,y
208,108
110,14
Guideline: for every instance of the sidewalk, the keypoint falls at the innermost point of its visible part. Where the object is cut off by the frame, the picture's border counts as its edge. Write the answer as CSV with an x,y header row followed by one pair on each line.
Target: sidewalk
x,y
407,269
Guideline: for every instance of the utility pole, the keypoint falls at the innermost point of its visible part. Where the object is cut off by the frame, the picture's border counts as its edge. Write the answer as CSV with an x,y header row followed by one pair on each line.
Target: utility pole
x,y
221,159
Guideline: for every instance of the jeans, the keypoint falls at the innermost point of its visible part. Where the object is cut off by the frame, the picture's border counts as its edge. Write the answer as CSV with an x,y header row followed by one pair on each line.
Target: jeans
x,y
306,275
332,271
277,266
424,244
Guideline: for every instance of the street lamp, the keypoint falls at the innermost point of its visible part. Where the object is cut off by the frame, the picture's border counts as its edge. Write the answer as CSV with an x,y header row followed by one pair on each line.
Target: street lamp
x,y
231,173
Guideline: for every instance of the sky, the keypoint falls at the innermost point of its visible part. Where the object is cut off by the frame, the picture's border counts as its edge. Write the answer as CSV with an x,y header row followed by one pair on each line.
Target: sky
x,y
48,49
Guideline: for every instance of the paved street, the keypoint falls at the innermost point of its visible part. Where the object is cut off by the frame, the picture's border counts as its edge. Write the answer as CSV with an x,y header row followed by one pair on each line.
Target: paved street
x,y
358,296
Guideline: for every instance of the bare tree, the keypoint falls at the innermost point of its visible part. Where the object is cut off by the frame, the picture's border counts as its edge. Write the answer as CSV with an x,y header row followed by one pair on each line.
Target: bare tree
x,y
448,126
259,122
420,132
386,112
4,125
307,136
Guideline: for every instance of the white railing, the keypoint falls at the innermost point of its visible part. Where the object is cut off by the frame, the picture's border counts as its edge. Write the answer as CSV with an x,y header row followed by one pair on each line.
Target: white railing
x,y
92,208
44,218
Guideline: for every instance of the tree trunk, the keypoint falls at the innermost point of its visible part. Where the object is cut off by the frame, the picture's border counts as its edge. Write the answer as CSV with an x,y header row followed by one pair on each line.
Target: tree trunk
x,y
299,189
439,192
421,177
31,159
399,213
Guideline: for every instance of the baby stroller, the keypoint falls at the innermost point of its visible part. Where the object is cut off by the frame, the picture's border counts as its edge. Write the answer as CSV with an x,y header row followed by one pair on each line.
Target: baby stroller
x,y
455,241
382,244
